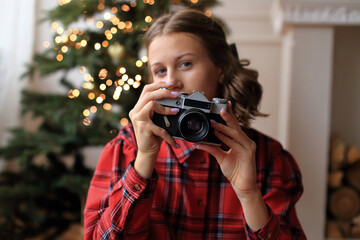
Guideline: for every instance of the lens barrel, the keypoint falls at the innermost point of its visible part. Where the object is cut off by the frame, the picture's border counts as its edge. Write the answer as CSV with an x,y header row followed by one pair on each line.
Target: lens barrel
x,y
193,125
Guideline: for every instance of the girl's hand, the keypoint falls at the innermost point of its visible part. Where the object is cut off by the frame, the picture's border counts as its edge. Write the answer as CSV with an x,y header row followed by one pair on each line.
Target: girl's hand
x,y
238,163
148,135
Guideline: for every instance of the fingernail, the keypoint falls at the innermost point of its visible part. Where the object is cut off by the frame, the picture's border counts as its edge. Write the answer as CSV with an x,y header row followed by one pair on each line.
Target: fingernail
x,y
169,83
175,94
175,110
224,111
213,121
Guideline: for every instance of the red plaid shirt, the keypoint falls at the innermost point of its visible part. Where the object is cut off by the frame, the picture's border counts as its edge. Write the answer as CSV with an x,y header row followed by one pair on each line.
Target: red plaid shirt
x,y
188,197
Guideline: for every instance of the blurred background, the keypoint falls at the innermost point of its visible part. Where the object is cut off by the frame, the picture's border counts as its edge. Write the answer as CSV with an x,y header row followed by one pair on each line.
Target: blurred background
x,y
71,70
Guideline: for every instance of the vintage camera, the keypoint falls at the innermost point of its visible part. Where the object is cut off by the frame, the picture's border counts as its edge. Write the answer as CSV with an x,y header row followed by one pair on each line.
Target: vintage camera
x,y
192,122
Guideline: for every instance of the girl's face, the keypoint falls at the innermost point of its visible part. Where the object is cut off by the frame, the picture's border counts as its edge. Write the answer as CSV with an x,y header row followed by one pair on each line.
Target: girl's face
x,y
181,59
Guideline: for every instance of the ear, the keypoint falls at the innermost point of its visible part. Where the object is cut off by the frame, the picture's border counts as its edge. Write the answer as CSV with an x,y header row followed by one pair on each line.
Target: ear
x,y
221,76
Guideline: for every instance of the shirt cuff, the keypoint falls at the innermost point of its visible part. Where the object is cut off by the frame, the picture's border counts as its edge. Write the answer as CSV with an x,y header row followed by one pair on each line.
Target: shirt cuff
x,y
136,185
271,229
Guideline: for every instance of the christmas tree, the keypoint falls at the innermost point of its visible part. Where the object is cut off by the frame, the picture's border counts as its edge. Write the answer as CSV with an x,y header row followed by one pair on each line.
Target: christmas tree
x,y
45,196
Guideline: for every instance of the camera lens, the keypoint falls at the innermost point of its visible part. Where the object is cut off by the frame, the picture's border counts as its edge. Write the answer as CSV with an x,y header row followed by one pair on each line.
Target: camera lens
x,y
193,125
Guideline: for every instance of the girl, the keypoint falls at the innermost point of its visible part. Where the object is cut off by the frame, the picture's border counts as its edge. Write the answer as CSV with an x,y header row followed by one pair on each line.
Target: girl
x,y
147,185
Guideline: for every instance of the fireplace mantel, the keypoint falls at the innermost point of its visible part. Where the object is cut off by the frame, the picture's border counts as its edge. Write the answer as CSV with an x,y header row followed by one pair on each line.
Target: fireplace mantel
x,y
285,13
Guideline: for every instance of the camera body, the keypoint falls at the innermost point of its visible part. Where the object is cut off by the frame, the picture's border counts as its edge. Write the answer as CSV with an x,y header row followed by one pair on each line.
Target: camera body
x,y
192,122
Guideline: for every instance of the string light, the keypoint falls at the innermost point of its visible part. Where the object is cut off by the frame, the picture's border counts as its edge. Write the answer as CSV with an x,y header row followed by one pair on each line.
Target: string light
x,y
121,82
124,121
99,24
130,81
64,49
103,73
126,87
139,63
128,24
73,37
148,19
138,77
102,87
86,122
125,8
82,69
60,30
114,10
208,13
122,70
76,92
91,96
59,57
107,16
117,93
58,39
83,43
125,77
54,25
46,44
88,85
109,82
88,77
144,59
105,43
97,46
73,93
136,84
93,109
113,30
121,25
99,100
86,112
107,106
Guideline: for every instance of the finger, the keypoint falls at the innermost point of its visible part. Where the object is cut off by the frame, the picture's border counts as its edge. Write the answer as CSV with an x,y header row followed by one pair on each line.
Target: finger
x,y
229,118
158,131
155,107
229,107
154,95
231,137
154,86
213,150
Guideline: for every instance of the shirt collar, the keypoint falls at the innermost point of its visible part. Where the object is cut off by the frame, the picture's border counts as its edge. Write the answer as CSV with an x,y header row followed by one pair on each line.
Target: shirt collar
x,y
185,150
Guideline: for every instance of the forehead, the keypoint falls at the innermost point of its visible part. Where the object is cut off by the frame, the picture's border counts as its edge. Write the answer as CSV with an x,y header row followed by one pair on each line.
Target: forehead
x,y
175,43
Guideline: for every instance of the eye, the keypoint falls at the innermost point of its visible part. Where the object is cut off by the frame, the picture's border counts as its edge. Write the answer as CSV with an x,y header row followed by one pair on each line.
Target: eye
x,y
185,65
159,71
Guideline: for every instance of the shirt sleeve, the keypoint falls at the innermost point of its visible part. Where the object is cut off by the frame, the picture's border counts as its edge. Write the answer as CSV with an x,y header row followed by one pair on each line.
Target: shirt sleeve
x,y
119,201
282,190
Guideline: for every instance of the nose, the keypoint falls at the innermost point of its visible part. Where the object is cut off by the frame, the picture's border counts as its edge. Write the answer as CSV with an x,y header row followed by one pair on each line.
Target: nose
x,y
174,78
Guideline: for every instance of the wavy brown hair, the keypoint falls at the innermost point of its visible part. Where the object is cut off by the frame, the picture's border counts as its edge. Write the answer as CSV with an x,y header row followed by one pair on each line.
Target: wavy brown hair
x,y
240,84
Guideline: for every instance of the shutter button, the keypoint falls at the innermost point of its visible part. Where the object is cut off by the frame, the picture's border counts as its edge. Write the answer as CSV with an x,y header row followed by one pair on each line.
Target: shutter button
x,y
137,187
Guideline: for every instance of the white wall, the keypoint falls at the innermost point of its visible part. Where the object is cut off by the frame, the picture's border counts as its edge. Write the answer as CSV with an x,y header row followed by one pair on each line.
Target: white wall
x,y
251,30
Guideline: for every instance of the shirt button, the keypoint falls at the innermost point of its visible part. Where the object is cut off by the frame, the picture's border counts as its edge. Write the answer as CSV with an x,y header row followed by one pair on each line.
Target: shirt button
x,y
200,203
268,235
137,187
202,160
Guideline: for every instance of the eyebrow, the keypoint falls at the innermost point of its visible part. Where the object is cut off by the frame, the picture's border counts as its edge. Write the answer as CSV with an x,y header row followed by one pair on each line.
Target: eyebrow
x,y
177,58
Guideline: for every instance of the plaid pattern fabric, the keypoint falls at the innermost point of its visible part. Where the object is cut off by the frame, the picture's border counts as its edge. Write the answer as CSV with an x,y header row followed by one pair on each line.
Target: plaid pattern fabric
x,y
188,197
